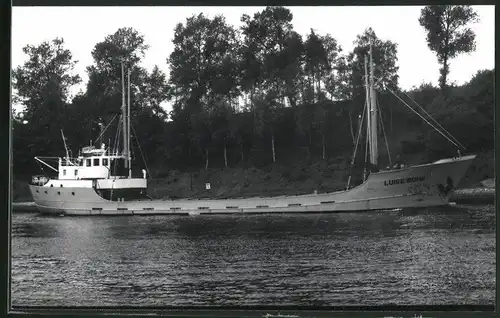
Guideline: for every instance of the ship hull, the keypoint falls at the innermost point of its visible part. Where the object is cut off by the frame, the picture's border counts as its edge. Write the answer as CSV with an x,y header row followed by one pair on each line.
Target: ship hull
x,y
416,186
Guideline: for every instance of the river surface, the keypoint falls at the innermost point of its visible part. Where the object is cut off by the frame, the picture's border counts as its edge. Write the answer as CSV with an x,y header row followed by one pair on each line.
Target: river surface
x,y
443,256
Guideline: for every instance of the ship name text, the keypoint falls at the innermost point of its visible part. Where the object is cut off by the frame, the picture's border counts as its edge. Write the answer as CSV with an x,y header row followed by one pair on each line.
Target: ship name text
x,y
403,180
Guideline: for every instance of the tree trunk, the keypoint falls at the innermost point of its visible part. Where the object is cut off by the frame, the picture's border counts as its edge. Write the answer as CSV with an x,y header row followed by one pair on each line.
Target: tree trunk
x,y
190,171
302,89
206,158
311,86
444,75
318,84
272,145
324,147
225,153
353,138
309,146
252,91
241,151
391,118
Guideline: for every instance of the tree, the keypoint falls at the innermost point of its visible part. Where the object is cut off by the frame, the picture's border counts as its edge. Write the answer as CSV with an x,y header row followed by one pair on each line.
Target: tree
x,y
46,74
384,59
320,123
154,92
240,129
125,45
316,63
339,84
203,63
334,63
268,117
304,121
43,86
447,34
203,75
277,50
103,98
292,72
266,36
221,115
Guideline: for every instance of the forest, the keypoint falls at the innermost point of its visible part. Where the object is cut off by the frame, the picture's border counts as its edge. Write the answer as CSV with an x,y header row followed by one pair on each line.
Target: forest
x,y
258,97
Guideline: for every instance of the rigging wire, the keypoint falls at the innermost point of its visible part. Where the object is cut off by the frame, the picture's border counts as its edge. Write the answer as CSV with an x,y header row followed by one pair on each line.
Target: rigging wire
x,y
356,145
105,129
117,135
140,150
366,153
413,110
438,124
383,131
444,132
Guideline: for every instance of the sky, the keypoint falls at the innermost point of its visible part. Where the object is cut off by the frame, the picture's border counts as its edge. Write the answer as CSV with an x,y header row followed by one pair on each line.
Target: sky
x,y
83,27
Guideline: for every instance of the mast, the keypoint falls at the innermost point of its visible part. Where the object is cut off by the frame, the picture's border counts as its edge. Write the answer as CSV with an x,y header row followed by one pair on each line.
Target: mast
x,y
65,147
374,113
368,108
128,128
124,118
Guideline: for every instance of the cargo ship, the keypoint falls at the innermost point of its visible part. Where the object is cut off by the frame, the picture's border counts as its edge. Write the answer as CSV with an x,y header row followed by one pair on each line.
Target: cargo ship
x,y
99,180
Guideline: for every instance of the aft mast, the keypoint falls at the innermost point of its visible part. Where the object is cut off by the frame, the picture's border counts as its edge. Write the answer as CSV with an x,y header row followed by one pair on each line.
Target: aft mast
x,y
128,128
368,110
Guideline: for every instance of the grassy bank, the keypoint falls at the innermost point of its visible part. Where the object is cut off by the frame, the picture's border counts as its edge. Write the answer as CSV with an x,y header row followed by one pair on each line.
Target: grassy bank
x,y
277,180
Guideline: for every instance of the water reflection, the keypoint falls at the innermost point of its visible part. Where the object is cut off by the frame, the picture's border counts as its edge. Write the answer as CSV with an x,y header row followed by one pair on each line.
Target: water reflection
x,y
402,257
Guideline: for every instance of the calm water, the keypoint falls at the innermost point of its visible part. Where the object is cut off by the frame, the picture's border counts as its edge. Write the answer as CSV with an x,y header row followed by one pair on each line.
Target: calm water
x,y
371,258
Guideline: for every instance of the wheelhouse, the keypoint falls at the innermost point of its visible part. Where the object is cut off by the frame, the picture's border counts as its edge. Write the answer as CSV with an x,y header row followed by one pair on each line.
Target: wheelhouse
x,y
92,163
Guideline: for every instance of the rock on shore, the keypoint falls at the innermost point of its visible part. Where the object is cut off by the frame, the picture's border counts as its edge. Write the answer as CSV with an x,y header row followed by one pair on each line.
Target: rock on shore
x,y
474,196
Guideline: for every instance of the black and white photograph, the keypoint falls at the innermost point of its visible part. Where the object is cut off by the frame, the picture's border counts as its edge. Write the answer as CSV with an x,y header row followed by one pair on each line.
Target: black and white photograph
x,y
249,156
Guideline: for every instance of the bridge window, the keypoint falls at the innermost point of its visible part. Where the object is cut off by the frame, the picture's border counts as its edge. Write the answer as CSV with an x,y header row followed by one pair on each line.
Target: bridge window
x,y
105,162
96,162
64,172
88,162
76,172
80,162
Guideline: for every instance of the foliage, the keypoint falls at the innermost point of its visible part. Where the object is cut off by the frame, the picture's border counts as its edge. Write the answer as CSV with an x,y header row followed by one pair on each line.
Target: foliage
x,y
304,98
43,86
467,115
44,81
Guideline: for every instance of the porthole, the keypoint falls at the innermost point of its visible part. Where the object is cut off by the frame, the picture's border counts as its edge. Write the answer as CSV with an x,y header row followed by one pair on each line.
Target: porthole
x,y
72,193
51,185
61,185
58,192
45,192
37,191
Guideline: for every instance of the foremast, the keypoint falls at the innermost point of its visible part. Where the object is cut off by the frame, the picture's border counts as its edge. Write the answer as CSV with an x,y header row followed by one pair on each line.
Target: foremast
x,y
373,115
371,111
